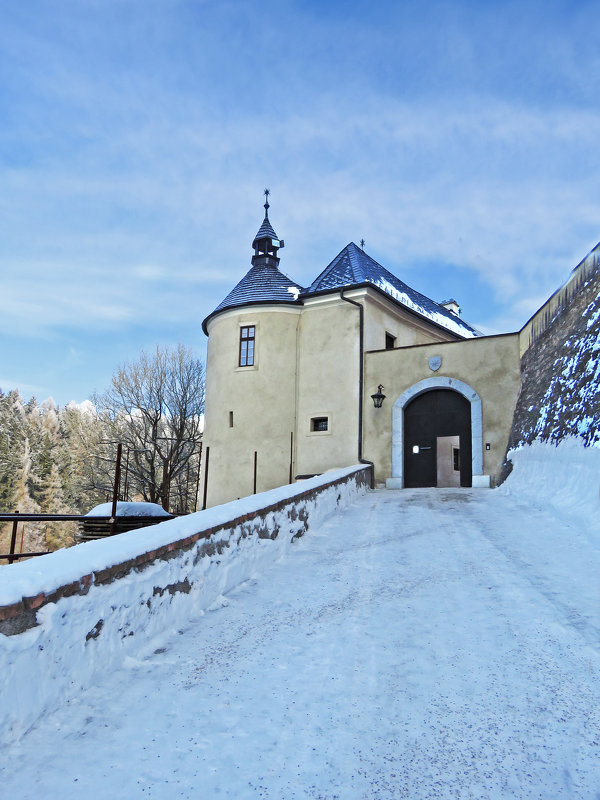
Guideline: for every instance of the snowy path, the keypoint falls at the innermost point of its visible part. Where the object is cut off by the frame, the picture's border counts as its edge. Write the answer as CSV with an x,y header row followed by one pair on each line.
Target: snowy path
x,y
422,644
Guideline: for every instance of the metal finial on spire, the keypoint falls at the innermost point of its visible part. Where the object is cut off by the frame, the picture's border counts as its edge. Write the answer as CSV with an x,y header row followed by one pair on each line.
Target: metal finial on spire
x,y
266,193
362,244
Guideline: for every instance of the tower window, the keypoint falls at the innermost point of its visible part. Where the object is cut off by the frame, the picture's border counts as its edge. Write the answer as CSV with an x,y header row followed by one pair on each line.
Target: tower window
x,y
390,341
247,346
319,424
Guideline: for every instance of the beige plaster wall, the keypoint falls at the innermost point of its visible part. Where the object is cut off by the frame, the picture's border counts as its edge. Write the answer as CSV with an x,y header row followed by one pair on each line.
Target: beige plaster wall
x,y
307,366
383,316
328,368
262,399
490,365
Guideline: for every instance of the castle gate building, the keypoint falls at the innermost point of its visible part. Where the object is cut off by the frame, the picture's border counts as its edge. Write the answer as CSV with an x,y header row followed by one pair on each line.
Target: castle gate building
x,y
292,371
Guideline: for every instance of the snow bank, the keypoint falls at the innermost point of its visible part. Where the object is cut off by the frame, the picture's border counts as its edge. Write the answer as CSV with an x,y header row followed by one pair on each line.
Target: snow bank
x,y
77,613
565,477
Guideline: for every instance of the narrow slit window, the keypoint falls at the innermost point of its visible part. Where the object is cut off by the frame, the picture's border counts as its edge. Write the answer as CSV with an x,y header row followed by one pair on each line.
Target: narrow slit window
x,y
319,424
231,419
247,346
456,459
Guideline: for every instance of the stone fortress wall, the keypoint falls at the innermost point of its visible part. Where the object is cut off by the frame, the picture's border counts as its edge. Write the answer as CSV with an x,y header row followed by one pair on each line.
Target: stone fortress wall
x,y
560,363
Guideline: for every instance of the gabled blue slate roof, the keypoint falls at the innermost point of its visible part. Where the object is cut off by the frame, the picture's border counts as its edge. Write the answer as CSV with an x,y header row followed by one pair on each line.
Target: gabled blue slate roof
x,y
353,267
262,284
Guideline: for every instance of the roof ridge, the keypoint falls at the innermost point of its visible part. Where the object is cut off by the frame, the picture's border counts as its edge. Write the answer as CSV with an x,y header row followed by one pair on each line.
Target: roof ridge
x,y
353,254
352,266
327,268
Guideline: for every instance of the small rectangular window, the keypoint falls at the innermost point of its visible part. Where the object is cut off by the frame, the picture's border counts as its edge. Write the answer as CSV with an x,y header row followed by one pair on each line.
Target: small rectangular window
x,y
247,346
319,424
390,341
456,459
231,419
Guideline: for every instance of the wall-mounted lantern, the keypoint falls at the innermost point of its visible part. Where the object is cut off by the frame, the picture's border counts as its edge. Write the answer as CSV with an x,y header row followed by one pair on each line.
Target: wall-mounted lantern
x,y
378,397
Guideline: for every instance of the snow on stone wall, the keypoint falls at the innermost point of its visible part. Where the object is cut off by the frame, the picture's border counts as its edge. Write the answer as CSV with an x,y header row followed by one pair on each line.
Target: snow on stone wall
x,y
560,374
77,613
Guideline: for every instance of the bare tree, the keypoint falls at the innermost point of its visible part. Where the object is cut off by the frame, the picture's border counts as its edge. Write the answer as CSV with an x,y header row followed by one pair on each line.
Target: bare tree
x,y
154,408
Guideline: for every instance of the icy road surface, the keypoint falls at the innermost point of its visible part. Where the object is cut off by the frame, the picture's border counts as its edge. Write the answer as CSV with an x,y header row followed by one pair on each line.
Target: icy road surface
x,y
423,644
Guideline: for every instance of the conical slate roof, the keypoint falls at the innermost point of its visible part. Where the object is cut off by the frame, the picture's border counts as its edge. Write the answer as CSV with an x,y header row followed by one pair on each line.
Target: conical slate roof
x,y
353,267
265,231
261,284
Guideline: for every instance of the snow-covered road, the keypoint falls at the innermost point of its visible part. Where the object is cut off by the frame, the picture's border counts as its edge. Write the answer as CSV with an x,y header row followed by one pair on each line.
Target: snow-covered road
x,y
423,644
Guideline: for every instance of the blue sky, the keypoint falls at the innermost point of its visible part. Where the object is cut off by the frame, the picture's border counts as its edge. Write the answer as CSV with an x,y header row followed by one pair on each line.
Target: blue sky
x,y
459,139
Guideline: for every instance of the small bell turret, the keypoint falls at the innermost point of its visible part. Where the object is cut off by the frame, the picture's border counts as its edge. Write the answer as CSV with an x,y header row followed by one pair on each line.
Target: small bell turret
x,y
266,242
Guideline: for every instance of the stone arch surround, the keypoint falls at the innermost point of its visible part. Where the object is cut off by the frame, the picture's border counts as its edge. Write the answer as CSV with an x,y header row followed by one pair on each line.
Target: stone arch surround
x,y
438,382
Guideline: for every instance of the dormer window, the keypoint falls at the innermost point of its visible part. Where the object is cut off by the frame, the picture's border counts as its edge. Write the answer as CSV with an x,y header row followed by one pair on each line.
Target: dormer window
x,y
452,306
247,335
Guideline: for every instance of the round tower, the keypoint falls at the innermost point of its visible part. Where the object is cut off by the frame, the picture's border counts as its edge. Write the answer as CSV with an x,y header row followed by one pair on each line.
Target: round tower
x,y
251,377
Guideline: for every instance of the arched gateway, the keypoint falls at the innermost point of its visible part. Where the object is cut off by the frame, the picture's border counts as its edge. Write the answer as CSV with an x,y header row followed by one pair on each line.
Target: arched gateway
x,y
439,414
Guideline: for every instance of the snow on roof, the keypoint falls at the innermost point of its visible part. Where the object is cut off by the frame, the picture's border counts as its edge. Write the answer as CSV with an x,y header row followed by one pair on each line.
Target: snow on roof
x,y
129,510
352,267
264,283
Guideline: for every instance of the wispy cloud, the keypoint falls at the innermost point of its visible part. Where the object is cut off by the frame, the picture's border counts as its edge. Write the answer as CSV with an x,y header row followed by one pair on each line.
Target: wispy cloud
x,y
9,383
457,139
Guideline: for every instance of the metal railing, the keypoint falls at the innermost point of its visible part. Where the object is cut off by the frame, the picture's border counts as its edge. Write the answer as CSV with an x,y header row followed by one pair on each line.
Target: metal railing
x,y
18,517
97,527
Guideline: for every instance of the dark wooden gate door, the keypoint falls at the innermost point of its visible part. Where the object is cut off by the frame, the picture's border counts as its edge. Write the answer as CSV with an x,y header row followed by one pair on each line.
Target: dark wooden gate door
x,y
439,412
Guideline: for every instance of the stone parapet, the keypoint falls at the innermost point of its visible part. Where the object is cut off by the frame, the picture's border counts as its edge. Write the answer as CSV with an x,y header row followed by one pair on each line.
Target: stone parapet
x,y
62,624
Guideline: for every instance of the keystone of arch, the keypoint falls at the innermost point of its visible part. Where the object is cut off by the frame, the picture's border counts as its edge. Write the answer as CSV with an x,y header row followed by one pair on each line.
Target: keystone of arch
x,y
438,382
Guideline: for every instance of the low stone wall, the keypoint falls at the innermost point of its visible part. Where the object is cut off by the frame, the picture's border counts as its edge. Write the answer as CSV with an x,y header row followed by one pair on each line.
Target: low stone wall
x,y
77,613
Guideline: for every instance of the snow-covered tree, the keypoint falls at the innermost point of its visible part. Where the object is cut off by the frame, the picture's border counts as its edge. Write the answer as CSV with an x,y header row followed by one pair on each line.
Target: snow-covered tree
x,y
62,460
154,409
12,437
33,539
82,456
56,534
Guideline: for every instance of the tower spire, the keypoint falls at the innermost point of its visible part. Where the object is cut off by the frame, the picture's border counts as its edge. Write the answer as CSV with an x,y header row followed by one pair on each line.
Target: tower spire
x,y
266,242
